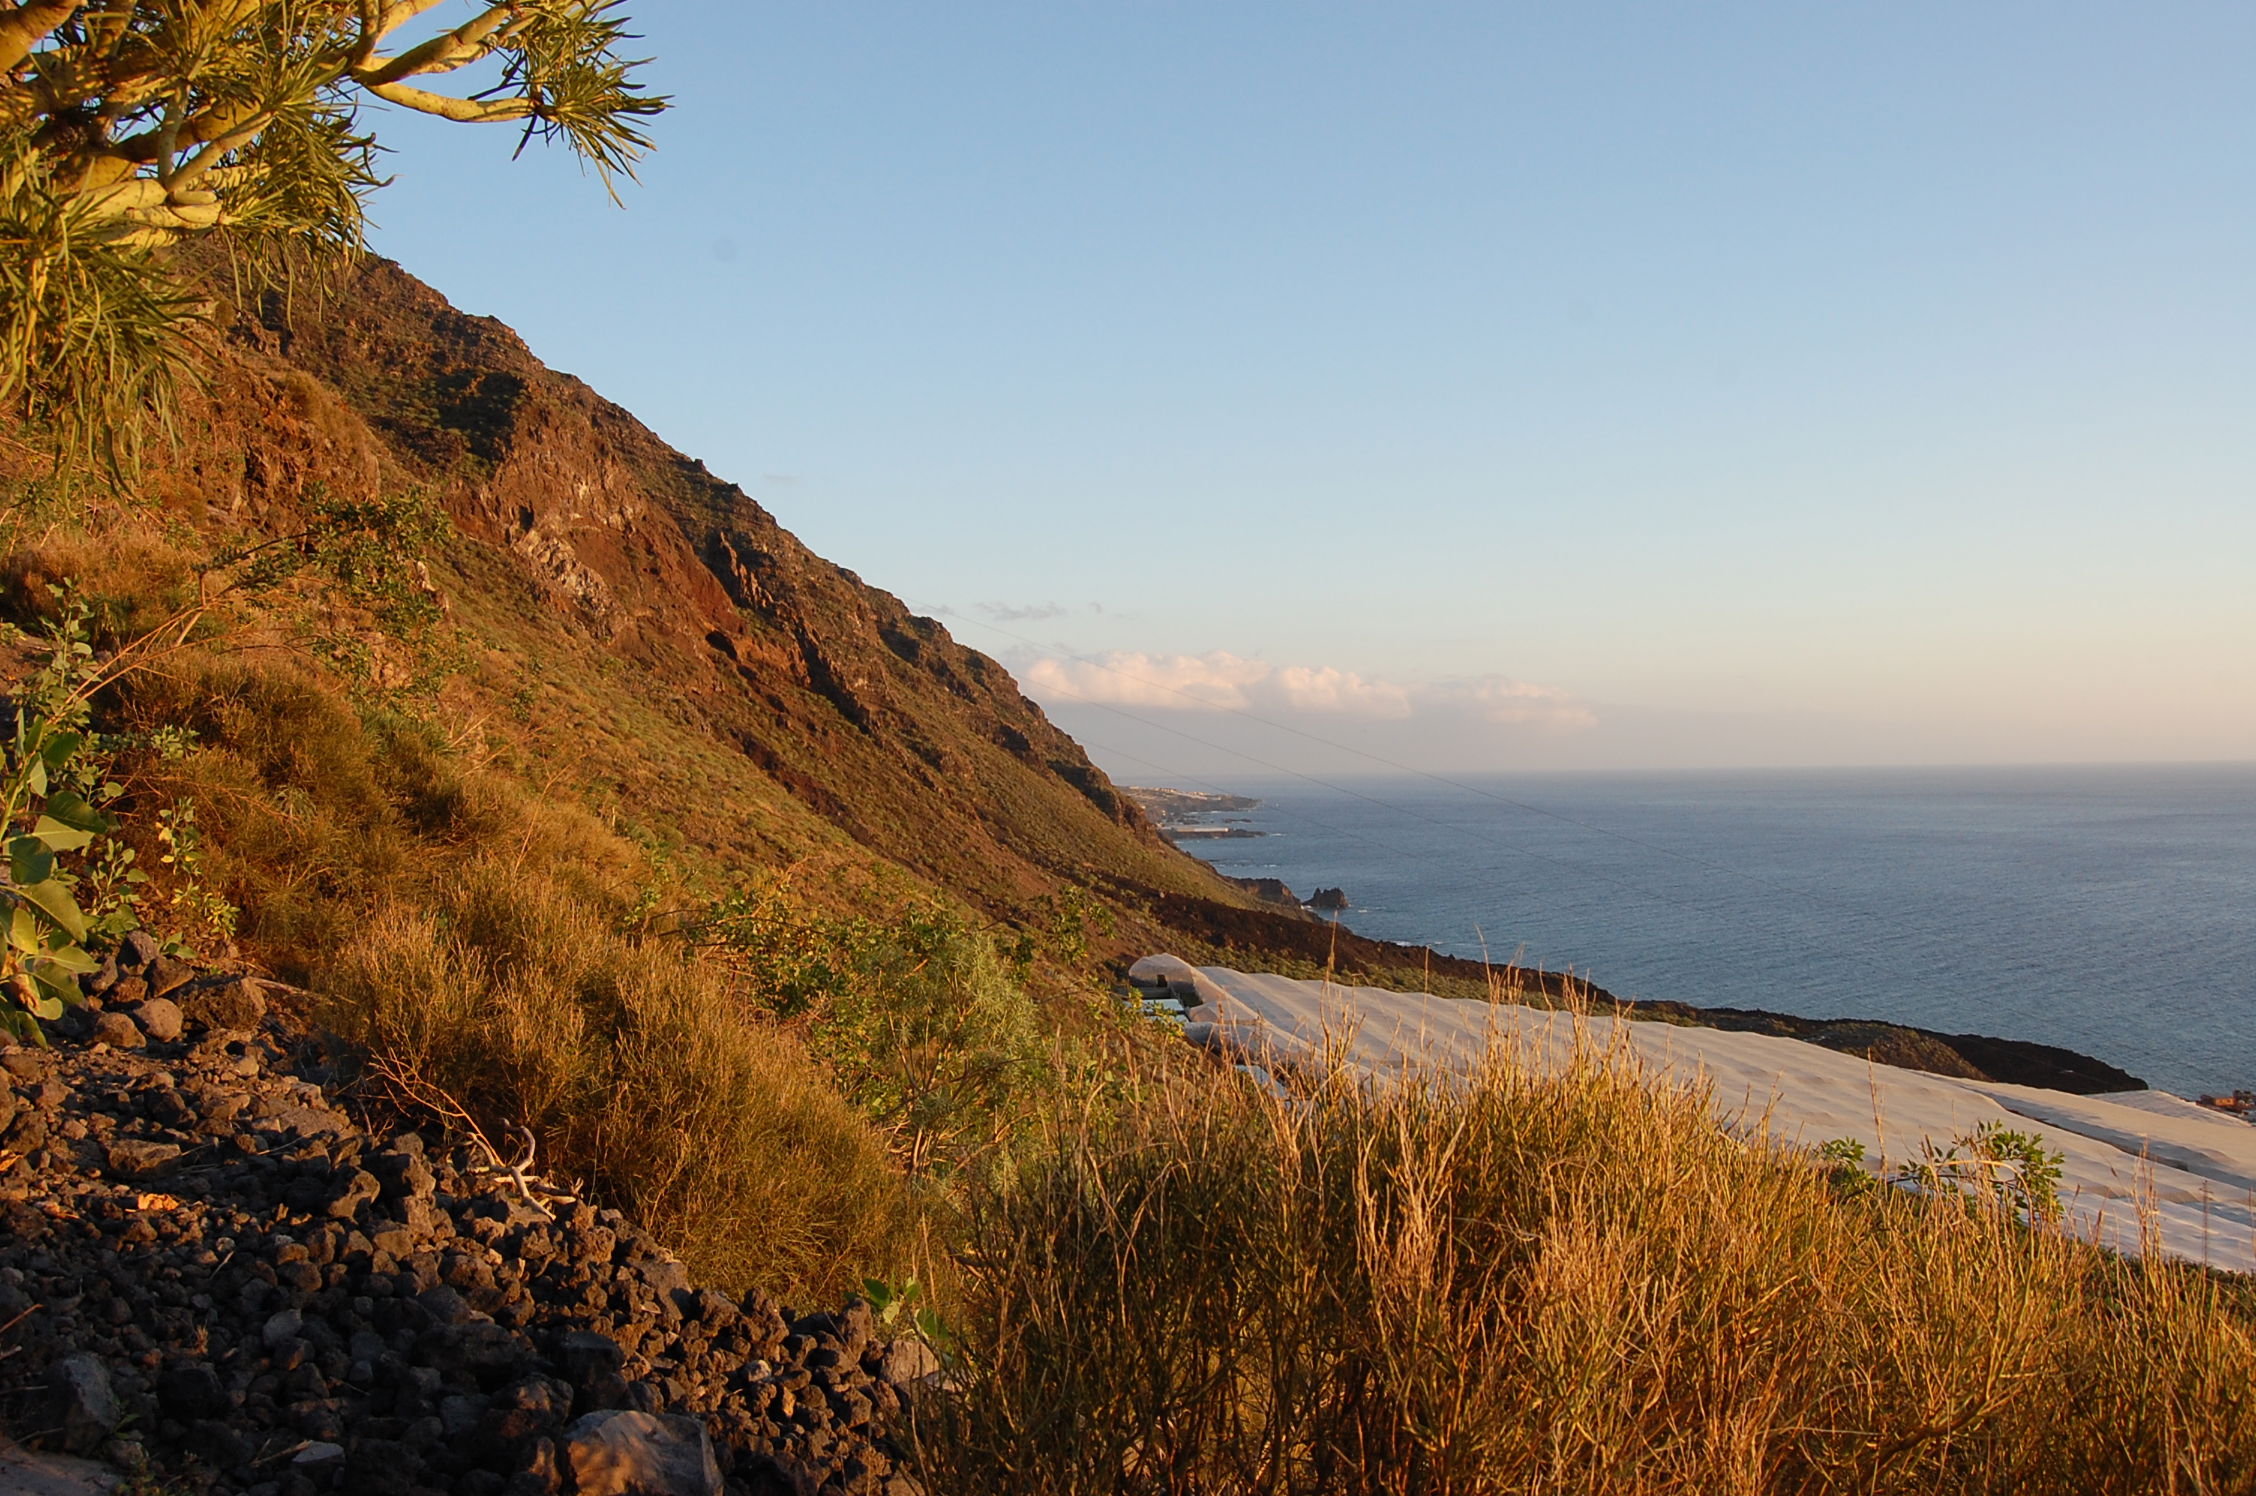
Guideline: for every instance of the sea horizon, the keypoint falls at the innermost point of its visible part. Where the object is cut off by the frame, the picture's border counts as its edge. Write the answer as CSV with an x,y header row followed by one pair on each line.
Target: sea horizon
x,y
2096,906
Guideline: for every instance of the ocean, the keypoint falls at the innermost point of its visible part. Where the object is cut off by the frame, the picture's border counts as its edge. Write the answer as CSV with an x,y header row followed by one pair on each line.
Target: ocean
x,y
2110,910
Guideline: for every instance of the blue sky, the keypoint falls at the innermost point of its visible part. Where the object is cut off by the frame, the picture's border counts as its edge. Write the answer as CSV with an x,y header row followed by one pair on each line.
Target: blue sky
x,y
1469,385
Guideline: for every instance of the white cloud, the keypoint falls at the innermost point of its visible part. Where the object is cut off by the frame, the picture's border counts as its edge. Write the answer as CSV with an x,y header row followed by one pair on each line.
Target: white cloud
x,y
1124,677
1022,613
1326,688
1223,682
1499,698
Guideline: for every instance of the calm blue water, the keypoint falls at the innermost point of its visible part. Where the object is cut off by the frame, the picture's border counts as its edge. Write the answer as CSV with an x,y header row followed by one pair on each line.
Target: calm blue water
x,y
2111,910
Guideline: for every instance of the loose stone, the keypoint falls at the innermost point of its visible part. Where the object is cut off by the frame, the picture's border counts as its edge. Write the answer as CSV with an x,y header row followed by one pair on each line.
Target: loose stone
x,y
216,1280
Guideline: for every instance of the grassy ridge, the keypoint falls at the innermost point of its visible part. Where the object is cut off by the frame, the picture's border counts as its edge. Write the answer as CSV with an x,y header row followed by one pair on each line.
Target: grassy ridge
x,y
636,1070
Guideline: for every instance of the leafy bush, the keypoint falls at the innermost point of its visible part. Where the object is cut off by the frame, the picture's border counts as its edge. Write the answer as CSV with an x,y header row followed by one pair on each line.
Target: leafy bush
x,y
366,548
1993,1164
52,778
917,1015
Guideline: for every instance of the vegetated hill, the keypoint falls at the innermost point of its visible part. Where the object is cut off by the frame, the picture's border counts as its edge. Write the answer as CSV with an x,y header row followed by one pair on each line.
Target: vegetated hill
x,y
641,630
635,634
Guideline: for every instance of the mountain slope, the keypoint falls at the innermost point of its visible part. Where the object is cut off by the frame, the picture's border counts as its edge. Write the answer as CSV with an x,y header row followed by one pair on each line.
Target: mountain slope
x,y
635,635
666,643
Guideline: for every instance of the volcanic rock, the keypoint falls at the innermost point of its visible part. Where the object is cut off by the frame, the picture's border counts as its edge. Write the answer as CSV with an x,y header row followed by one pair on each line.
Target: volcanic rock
x,y
159,1017
639,1454
208,1270
85,1409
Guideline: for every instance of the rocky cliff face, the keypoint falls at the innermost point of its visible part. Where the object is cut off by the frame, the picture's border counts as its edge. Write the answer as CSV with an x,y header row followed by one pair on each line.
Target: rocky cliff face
x,y
658,630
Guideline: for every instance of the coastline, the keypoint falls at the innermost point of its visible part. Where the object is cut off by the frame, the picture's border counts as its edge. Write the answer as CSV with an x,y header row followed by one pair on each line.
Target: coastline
x,y
1288,926
1328,944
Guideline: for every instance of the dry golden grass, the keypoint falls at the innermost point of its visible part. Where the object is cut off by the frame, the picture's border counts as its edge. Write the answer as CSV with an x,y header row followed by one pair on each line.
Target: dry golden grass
x,y
1574,1284
638,1071
475,934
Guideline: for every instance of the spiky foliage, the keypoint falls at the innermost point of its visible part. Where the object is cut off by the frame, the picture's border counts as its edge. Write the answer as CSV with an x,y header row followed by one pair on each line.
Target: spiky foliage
x,y
128,126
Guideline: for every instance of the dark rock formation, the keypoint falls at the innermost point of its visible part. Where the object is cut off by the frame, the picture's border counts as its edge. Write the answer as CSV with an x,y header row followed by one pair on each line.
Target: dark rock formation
x,y
1270,891
209,1272
2018,1062
790,684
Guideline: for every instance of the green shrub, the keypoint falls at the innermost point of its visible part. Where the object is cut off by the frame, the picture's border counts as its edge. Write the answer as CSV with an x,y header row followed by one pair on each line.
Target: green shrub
x,y
69,884
917,1015
1993,1165
45,816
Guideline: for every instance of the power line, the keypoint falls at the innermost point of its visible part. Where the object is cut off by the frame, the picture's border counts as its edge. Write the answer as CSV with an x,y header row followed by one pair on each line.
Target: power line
x,y
1442,779
1338,789
1178,776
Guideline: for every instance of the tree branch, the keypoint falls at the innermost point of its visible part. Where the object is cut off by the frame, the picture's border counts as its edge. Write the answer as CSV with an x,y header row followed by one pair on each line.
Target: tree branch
x,y
209,156
371,17
29,24
443,53
219,122
467,111
399,12
124,196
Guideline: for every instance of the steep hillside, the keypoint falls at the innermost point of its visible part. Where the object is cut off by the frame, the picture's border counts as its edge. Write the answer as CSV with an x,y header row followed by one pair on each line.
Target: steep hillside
x,y
644,633
631,635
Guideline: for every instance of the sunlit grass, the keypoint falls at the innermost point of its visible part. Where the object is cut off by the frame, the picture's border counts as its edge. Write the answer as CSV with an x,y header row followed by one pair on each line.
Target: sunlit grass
x,y
1572,1283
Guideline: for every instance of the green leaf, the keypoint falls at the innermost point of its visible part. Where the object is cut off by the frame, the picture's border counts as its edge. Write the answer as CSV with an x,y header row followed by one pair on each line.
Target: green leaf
x,y
23,929
43,999
69,959
23,1028
37,774
54,901
59,837
59,748
29,861
61,989
73,811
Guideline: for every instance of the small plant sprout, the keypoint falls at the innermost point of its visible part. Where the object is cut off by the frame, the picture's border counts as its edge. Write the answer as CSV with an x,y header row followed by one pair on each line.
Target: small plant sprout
x,y
900,1306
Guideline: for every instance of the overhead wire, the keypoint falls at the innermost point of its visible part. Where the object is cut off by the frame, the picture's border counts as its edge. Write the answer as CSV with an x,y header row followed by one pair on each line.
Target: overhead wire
x,y
1394,764
1401,810
1207,704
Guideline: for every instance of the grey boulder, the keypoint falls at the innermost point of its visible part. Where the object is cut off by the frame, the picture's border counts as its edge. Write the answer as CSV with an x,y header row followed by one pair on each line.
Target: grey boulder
x,y
86,1410
159,1018
117,1031
222,1004
619,1453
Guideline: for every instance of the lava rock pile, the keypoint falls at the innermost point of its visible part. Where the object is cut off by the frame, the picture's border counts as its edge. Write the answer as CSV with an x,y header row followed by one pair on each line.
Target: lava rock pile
x,y
211,1274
